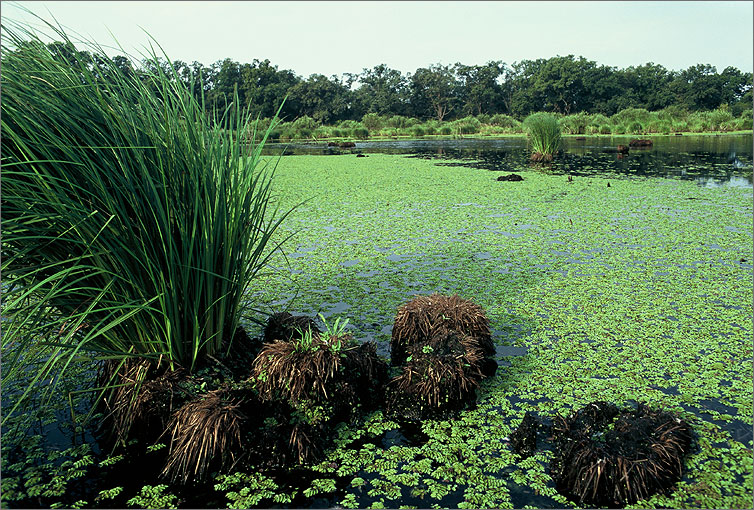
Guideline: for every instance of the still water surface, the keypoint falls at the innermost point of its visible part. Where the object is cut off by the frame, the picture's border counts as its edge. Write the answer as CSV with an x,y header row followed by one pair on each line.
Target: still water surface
x,y
709,160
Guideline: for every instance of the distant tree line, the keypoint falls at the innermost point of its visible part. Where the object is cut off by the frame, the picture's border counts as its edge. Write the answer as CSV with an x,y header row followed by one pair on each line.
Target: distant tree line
x,y
561,84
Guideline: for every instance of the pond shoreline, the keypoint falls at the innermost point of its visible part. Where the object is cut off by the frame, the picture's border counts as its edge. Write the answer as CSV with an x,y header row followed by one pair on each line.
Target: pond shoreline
x,y
502,136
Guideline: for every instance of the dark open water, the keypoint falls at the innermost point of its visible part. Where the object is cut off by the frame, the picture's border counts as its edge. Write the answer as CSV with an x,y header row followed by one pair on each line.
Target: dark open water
x,y
709,160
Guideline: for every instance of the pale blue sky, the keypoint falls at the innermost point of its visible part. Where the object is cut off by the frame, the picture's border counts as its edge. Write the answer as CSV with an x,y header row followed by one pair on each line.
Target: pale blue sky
x,y
339,37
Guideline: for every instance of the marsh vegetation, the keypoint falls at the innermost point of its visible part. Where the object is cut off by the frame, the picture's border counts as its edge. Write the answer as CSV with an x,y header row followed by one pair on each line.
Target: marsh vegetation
x,y
182,330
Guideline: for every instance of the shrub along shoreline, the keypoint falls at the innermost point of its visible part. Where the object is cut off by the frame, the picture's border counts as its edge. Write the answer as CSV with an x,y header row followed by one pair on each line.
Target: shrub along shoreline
x,y
631,121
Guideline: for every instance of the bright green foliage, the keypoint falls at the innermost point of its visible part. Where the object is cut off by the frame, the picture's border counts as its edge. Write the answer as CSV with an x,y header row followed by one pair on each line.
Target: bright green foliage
x,y
467,125
246,490
635,128
575,124
110,493
360,132
129,218
544,133
154,497
320,486
43,475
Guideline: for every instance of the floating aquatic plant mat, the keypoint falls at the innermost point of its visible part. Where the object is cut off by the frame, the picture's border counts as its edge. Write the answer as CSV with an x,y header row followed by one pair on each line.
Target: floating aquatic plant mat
x,y
637,292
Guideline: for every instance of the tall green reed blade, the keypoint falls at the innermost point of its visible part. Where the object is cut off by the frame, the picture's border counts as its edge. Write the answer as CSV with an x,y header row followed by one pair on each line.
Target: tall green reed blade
x,y
162,213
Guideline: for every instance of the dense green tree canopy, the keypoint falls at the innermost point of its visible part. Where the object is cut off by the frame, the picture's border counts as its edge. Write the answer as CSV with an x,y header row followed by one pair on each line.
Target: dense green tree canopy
x,y
382,90
560,84
434,91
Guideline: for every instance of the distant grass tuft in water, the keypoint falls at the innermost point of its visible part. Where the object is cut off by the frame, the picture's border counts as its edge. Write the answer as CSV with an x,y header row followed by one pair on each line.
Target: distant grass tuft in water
x,y
544,134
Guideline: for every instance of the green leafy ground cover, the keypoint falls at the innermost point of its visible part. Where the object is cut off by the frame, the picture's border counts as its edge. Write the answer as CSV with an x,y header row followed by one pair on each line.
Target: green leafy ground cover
x,y
637,292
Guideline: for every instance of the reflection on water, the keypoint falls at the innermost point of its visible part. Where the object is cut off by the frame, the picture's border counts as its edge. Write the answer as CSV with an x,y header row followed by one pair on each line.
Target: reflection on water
x,y
708,160
734,181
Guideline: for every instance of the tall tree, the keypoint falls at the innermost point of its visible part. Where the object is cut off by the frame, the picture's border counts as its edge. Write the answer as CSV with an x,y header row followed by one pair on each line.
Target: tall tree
x,y
480,92
524,98
699,87
649,86
560,83
265,88
382,90
227,82
325,100
434,91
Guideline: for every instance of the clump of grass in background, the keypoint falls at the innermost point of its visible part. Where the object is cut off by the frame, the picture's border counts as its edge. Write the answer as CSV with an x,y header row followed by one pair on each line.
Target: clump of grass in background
x,y
745,121
506,122
153,218
635,128
373,121
430,128
673,113
399,121
631,115
659,126
360,131
467,125
304,127
348,125
544,135
575,124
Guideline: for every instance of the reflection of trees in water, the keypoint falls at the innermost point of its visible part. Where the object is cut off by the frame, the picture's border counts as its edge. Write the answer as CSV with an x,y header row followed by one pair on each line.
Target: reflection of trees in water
x,y
714,158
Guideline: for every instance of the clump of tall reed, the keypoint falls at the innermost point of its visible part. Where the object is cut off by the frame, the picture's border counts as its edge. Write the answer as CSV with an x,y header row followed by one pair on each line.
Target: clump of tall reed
x,y
544,135
118,188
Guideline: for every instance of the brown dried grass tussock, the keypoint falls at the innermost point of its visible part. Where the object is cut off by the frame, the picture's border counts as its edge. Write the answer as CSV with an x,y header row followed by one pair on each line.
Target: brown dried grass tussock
x,y
417,320
442,375
288,370
141,396
611,458
539,157
296,372
325,377
205,432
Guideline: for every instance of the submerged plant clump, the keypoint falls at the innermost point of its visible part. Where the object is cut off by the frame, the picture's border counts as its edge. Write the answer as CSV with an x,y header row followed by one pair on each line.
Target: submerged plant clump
x,y
325,377
611,457
443,345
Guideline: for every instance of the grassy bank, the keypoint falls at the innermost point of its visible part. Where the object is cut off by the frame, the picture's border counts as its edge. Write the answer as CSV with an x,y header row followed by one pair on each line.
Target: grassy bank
x,y
637,292
632,121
